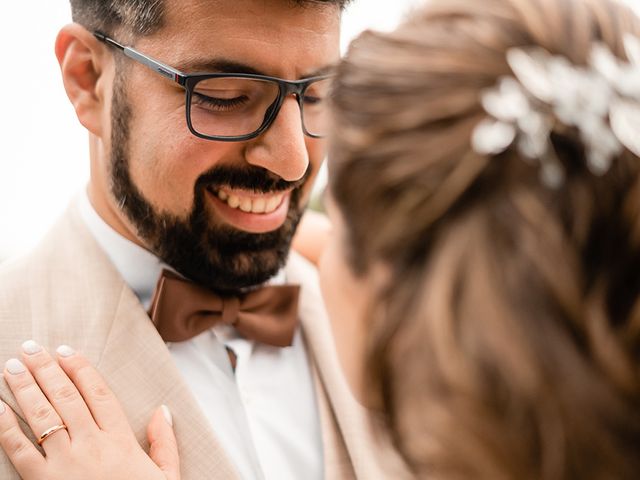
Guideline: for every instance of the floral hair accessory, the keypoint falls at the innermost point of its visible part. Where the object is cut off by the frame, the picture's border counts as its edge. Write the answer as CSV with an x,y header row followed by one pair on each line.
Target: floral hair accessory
x,y
601,100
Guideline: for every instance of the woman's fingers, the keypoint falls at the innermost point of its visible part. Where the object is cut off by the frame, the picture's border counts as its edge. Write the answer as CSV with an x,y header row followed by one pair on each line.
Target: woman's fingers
x,y
78,397
38,412
26,459
162,441
59,389
102,403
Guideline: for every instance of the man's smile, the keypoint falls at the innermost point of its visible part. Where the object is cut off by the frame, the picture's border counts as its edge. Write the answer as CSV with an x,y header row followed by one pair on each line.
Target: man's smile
x,y
251,202
251,211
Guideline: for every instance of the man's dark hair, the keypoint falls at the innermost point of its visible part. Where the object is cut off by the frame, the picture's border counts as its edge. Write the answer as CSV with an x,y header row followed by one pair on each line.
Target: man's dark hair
x,y
137,17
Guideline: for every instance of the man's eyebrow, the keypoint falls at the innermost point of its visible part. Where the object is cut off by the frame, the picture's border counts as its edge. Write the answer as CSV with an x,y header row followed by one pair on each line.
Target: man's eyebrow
x,y
222,65
219,65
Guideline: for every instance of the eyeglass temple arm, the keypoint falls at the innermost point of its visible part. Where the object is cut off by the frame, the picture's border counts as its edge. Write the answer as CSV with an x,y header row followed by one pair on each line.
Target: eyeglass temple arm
x,y
163,69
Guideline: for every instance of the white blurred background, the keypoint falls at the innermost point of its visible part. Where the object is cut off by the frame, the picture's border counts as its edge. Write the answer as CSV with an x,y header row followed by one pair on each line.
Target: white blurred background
x,y
43,149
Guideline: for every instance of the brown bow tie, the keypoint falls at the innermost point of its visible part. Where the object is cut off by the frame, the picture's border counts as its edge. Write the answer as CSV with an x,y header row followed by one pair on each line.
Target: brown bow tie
x,y
181,310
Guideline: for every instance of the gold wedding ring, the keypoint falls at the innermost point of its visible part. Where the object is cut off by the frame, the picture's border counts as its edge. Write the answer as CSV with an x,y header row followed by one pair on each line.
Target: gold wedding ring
x,y
49,432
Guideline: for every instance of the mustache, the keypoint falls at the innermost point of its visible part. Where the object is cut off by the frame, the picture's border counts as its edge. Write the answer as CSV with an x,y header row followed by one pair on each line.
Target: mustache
x,y
249,178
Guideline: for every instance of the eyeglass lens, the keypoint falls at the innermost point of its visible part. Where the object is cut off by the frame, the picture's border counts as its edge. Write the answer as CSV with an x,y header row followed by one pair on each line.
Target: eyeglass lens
x,y
235,106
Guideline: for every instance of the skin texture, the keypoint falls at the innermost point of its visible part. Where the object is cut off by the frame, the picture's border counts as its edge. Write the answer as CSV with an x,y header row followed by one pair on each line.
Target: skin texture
x,y
164,161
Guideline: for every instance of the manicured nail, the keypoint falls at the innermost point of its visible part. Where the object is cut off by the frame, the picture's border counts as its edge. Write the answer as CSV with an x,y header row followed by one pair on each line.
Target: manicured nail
x,y
14,366
2,408
167,415
30,347
65,351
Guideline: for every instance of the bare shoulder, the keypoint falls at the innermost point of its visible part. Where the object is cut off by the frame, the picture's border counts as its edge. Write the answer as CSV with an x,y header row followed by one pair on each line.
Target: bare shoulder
x,y
312,236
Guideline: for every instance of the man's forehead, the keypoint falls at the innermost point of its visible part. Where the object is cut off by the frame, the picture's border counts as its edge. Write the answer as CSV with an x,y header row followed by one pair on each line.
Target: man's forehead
x,y
272,37
260,14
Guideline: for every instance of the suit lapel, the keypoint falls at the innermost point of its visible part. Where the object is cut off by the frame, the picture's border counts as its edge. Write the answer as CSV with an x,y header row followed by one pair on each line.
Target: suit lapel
x,y
135,355
337,464
349,450
76,297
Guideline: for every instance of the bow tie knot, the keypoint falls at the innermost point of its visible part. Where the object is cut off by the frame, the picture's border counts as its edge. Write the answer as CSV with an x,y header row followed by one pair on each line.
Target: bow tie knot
x,y
180,310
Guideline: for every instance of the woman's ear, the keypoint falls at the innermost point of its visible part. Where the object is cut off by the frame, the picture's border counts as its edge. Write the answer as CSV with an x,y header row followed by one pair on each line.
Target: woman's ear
x,y
83,63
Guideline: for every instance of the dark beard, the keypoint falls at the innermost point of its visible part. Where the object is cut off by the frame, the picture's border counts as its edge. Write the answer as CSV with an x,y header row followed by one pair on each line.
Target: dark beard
x,y
218,257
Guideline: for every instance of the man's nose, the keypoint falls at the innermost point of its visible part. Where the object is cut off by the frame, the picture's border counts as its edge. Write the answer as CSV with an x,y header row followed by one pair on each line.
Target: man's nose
x,y
282,149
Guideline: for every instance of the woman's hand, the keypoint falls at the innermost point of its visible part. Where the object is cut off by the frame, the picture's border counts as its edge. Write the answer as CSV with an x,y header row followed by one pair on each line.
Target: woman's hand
x,y
98,442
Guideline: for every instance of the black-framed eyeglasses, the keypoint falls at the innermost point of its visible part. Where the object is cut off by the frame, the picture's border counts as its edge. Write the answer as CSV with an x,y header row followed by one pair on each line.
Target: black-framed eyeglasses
x,y
234,107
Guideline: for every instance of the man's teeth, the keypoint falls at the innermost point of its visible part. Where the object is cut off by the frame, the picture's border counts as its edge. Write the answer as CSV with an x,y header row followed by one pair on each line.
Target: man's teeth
x,y
252,205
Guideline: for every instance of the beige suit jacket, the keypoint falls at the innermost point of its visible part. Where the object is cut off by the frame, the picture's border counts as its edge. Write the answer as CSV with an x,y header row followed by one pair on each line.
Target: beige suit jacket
x,y
67,292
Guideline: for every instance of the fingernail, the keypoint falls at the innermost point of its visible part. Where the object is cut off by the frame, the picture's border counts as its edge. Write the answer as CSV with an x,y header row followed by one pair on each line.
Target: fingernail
x,y
14,366
2,408
30,347
65,351
167,415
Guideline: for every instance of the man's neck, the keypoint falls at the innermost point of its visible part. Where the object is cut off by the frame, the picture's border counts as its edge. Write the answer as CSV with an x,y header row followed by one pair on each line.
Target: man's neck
x,y
138,267
109,215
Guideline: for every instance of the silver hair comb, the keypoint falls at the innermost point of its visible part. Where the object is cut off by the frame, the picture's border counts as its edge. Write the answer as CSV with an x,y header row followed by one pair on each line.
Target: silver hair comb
x,y
601,100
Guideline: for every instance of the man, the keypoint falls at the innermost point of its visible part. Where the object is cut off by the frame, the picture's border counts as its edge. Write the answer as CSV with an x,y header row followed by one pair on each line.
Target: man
x,y
205,176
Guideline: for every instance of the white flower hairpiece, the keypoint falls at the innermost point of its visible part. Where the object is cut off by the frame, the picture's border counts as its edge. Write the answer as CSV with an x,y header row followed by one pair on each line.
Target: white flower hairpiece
x,y
601,100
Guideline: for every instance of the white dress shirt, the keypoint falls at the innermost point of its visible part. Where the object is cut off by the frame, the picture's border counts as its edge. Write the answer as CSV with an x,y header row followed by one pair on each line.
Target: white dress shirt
x,y
265,413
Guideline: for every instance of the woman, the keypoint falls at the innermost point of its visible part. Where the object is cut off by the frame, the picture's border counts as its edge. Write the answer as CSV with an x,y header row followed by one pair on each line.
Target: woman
x,y
486,200
482,275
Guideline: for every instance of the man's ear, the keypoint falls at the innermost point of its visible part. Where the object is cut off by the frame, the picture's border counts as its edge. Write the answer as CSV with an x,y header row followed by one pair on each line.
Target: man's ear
x,y
84,62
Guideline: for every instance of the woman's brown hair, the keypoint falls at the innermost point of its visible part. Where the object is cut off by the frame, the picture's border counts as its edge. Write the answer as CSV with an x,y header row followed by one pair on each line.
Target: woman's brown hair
x,y
506,344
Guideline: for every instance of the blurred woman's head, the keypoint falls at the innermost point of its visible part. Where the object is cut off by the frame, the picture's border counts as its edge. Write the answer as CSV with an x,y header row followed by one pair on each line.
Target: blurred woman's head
x,y
496,321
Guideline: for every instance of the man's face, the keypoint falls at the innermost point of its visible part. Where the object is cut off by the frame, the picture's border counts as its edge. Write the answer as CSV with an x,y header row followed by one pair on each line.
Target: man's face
x,y
166,184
